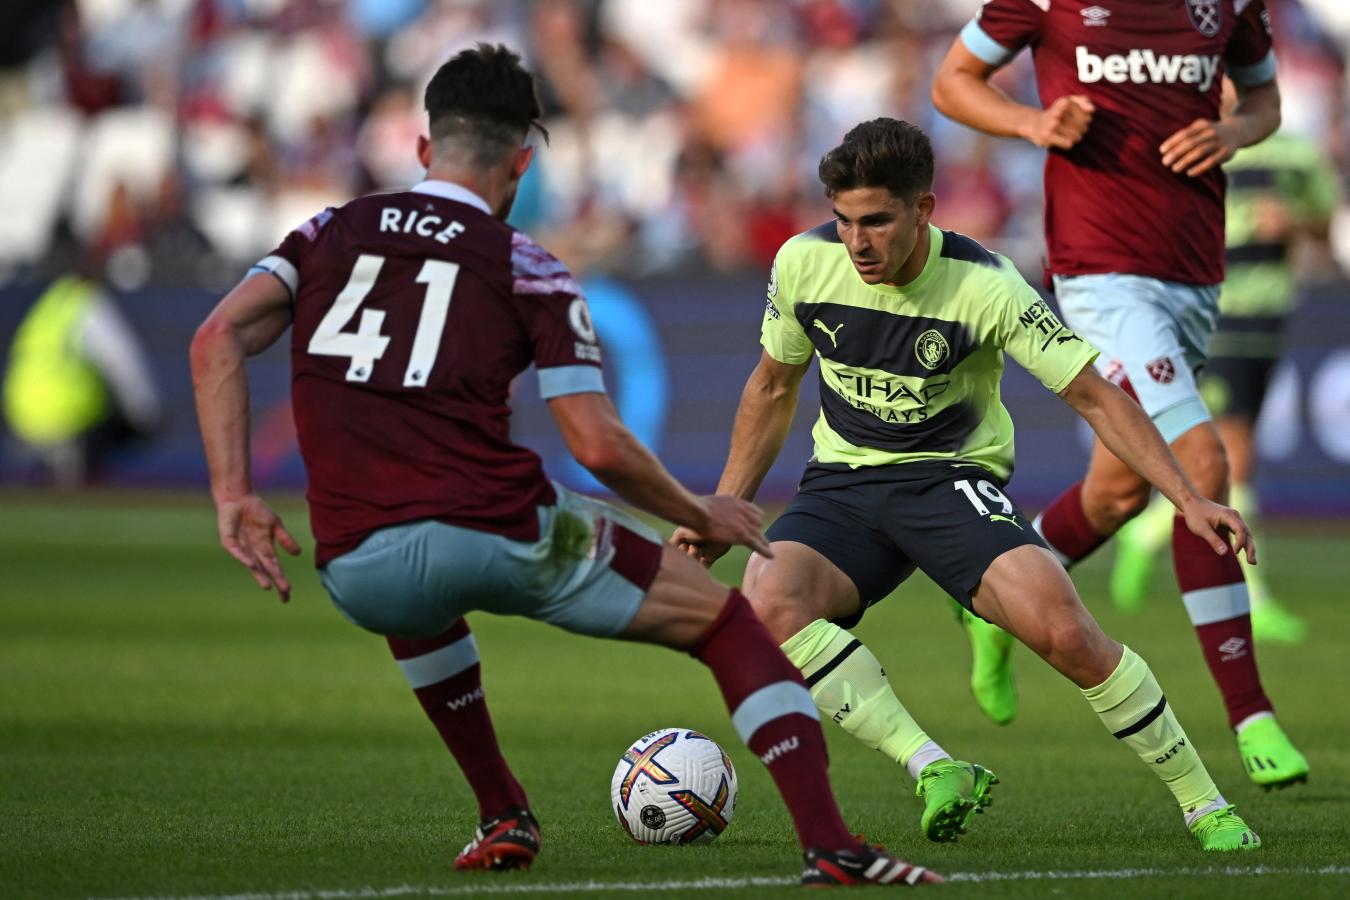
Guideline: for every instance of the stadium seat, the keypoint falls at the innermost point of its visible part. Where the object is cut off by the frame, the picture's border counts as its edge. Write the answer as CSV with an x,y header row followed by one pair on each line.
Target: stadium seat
x,y
132,145
37,154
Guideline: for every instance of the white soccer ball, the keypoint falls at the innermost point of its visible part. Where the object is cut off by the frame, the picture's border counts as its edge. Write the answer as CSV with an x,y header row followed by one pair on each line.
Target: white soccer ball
x,y
674,786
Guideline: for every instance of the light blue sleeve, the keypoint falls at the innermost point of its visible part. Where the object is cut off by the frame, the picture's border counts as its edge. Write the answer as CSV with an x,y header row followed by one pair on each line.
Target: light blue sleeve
x,y
983,46
557,381
1262,72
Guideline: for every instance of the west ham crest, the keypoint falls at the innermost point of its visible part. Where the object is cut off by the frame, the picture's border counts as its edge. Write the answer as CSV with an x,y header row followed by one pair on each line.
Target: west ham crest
x,y
1206,16
1161,370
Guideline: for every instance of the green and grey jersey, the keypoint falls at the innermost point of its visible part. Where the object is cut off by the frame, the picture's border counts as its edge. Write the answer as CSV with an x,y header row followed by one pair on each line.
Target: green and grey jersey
x,y
912,373
1282,179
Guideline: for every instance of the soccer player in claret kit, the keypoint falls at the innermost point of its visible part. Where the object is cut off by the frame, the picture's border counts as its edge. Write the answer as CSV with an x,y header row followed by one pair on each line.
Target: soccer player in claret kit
x,y
410,314
1134,222
1282,194
913,447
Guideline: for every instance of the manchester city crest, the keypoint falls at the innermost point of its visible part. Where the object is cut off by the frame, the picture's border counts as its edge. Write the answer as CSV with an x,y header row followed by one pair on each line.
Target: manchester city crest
x,y
1206,16
932,349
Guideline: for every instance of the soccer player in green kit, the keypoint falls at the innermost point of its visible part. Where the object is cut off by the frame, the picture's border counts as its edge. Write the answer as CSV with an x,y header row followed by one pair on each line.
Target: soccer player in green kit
x,y
1280,192
912,450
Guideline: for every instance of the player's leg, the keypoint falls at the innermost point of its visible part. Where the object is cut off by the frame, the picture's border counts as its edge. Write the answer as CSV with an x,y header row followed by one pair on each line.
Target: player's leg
x,y
633,587
1111,312
1271,621
1235,386
1215,594
1159,333
1026,592
385,586
1138,544
991,674
829,564
771,709
445,674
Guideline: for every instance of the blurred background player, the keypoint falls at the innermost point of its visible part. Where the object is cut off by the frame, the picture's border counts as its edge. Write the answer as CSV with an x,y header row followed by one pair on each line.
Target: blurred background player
x,y
78,388
1134,230
412,313
1282,193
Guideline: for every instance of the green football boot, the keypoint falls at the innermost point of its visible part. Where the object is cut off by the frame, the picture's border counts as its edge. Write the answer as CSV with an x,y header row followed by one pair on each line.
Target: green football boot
x,y
991,675
1269,757
1273,624
1223,830
952,792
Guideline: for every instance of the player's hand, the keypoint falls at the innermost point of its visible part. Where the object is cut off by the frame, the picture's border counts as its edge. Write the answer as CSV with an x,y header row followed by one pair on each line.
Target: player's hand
x,y
1062,124
1204,518
697,546
731,520
1198,147
249,531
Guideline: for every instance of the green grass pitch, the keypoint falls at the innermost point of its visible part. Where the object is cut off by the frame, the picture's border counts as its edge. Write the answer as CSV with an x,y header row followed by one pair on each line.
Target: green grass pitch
x,y
167,730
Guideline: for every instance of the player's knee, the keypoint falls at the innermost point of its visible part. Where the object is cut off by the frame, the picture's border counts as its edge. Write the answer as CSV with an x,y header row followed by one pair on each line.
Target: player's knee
x,y
1118,504
1127,506
1076,647
784,613
1210,473
1204,460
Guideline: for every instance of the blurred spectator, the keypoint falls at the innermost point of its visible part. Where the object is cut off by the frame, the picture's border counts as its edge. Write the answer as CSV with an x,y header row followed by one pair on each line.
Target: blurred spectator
x,y
684,134
77,388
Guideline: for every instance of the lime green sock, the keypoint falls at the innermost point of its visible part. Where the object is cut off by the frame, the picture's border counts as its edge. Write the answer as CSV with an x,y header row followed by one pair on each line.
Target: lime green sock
x,y
850,689
1134,710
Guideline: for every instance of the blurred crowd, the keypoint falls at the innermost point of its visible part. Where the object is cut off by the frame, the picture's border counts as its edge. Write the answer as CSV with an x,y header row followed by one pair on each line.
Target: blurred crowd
x,y
170,141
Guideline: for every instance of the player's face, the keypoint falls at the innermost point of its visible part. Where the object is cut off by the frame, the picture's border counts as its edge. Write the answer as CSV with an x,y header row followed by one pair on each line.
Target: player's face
x,y
880,230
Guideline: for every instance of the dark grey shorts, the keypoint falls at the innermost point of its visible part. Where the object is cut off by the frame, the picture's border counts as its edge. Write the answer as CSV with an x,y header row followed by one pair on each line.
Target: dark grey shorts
x,y
878,524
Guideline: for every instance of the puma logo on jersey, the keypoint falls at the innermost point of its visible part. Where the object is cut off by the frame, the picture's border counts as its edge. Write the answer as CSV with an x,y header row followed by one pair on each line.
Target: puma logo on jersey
x,y
1145,66
832,333
999,517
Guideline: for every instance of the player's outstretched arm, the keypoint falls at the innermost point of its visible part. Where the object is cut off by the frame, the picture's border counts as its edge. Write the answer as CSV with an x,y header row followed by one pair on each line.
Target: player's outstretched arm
x,y
768,404
601,442
1130,434
249,320
1204,144
961,91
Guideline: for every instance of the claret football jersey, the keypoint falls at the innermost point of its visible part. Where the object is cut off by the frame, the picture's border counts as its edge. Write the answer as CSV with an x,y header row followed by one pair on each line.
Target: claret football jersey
x,y
413,312
1150,67
912,373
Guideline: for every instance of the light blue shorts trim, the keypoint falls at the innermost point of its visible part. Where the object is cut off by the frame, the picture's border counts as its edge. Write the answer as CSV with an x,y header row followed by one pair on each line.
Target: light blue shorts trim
x,y
417,579
1154,335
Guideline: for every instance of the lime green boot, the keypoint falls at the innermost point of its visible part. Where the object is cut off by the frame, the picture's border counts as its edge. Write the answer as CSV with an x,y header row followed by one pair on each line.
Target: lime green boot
x,y
952,792
1270,758
1273,624
1223,831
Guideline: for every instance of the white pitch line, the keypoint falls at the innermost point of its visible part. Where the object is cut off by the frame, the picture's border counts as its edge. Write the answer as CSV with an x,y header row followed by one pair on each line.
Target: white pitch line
x,y
586,887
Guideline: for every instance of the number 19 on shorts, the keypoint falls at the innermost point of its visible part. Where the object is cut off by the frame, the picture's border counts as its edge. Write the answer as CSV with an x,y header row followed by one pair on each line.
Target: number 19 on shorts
x,y
990,492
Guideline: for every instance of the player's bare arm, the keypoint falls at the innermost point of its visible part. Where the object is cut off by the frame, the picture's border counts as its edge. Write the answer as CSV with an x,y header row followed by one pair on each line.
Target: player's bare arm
x,y
1130,434
961,91
1205,143
249,320
601,442
763,417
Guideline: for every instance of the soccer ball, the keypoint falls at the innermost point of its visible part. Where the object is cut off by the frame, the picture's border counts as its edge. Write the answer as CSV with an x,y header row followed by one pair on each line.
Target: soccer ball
x,y
674,786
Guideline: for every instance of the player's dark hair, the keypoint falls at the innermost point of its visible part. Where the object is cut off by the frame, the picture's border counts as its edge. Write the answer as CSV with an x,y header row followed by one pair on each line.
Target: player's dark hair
x,y
484,98
883,153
